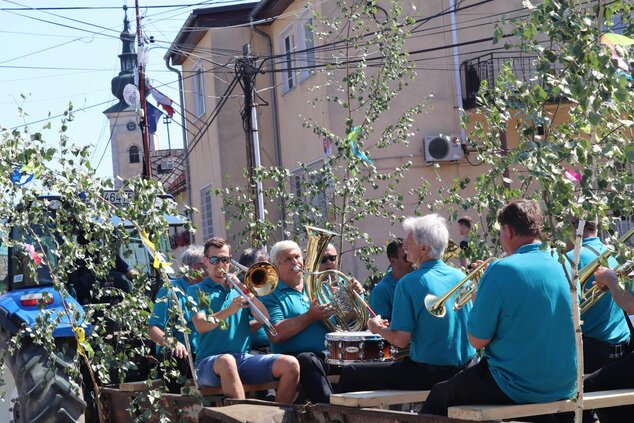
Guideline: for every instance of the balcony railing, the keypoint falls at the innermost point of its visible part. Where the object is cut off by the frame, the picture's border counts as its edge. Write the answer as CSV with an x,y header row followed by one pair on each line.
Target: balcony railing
x,y
488,67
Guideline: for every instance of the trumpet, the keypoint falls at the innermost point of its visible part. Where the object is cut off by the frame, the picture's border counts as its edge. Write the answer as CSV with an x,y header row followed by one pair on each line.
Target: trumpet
x,y
595,293
465,289
589,296
260,279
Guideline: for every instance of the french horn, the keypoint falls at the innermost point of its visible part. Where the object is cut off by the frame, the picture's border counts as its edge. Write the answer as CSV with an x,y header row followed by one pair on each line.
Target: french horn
x,y
331,286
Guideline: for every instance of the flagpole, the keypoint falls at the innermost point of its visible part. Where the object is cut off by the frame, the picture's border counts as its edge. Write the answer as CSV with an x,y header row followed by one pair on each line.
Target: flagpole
x,y
147,168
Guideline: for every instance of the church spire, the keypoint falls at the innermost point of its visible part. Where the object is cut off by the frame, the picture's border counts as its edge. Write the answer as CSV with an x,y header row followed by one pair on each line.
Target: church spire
x,y
128,59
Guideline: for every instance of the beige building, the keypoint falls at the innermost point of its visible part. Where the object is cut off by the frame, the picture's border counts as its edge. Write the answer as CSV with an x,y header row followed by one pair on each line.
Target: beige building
x,y
453,53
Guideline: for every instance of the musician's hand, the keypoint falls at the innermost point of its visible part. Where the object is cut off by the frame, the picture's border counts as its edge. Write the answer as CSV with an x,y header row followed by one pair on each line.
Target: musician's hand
x,y
377,323
476,264
356,286
320,311
606,278
180,351
242,287
236,305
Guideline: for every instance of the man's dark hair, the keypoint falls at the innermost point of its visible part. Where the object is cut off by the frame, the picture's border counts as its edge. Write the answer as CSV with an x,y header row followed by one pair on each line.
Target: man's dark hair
x,y
217,242
465,220
251,255
524,216
392,248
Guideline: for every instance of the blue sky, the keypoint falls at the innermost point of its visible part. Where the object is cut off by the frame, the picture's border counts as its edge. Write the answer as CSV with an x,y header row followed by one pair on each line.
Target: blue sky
x,y
59,56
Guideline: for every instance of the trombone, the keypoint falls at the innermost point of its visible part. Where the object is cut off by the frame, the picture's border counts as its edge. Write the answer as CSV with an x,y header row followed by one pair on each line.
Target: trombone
x,y
466,289
260,279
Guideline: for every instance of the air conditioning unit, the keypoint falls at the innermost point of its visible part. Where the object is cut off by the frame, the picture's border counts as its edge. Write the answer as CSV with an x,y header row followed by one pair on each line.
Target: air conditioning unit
x,y
441,148
166,166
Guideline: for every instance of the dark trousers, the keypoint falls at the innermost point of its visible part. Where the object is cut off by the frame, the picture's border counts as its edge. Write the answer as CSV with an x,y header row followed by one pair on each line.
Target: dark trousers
x,y
617,374
171,363
474,385
597,354
313,375
404,374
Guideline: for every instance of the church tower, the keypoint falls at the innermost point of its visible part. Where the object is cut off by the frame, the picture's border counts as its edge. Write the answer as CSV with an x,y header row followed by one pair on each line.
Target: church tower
x,y
126,140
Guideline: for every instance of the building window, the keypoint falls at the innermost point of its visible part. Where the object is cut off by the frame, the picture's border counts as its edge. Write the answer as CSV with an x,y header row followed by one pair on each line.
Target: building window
x,y
134,154
307,48
302,184
207,212
198,92
288,60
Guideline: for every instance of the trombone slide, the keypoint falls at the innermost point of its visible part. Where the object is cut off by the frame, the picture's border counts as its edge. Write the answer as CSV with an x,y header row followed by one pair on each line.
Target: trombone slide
x,y
254,308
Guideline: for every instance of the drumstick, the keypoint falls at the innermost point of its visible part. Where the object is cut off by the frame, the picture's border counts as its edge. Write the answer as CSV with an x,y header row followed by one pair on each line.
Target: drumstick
x,y
366,305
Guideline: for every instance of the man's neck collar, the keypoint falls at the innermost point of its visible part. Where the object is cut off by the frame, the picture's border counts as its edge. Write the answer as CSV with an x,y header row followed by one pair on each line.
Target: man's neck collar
x,y
526,240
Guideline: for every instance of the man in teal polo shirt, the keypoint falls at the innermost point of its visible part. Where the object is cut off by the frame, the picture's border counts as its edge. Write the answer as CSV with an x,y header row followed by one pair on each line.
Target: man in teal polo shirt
x,y
439,347
170,343
297,321
382,296
605,331
522,318
222,323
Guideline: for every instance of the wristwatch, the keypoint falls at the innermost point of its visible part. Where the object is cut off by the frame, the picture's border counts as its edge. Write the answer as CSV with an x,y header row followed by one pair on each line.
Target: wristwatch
x,y
212,319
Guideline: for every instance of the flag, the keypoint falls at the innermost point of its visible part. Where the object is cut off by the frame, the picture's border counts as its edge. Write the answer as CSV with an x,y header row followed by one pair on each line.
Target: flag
x,y
164,101
153,116
352,139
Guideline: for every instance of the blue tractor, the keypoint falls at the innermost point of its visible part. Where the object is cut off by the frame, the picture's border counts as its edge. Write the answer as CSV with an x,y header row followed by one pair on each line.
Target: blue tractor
x,y
38,386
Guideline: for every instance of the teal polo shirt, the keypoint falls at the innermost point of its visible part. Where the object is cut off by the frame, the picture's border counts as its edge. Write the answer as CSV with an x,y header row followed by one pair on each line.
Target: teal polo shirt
x,y
437,341
259,339
382,296
523,306
285,303
235,339
604,321
162,319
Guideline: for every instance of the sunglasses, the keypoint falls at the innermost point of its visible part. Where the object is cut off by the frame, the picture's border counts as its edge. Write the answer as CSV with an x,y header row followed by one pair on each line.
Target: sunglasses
x,y
215,260
328,258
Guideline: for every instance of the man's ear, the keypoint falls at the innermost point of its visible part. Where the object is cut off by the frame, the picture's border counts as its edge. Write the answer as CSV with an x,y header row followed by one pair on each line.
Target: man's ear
x,y
510,233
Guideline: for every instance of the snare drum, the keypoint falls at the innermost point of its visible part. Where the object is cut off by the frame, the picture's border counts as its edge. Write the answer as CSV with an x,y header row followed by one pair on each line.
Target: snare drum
x,y
356,347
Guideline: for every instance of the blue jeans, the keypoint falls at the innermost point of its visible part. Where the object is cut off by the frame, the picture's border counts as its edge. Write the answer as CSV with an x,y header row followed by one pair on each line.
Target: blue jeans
x,y
252,369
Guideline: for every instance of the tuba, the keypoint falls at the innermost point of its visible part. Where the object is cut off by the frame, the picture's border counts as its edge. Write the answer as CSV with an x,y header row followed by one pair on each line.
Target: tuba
x,y
331,286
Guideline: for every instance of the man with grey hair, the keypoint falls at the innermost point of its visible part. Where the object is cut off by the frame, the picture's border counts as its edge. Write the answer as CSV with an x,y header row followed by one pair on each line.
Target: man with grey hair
x,y
522,317
297,321
439,347
170,343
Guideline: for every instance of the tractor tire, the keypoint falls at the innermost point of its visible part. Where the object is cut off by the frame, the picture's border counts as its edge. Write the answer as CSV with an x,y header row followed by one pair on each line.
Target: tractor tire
x,y
45,395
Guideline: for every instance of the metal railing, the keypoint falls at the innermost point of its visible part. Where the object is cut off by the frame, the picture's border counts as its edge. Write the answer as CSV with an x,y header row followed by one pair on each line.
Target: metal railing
x,y
488,67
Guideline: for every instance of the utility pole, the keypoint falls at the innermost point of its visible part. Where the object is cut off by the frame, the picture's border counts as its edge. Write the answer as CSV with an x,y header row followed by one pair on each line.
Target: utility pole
x,y
245,66
147,168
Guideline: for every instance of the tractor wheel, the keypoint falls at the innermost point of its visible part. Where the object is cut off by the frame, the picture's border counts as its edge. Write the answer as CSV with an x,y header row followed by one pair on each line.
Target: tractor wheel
x,y
45,394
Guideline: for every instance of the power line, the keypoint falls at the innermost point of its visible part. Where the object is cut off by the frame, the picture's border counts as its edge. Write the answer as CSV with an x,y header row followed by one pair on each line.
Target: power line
x,y
210,120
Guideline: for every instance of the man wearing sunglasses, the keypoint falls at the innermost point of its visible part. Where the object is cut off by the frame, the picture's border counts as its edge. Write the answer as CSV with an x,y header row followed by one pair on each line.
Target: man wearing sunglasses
x,y
382,296
224,342
330,259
